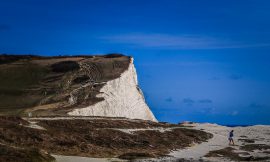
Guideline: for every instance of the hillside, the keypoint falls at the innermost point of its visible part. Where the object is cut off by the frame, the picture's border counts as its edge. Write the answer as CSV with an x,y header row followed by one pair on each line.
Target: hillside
x,y
78,85
82,106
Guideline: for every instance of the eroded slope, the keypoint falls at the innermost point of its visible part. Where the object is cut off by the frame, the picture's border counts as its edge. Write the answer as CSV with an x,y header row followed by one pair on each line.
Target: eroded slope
x,y
55,85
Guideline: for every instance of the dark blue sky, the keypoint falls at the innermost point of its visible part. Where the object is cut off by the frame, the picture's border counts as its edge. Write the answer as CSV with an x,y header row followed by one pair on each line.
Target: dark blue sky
x,y
205,61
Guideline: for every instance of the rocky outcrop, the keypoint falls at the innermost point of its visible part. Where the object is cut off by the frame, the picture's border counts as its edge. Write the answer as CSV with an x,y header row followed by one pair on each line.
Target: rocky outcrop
x,y
122,98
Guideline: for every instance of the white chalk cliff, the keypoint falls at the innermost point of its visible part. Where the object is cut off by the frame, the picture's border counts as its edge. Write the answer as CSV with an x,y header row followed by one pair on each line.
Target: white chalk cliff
x,y
122,98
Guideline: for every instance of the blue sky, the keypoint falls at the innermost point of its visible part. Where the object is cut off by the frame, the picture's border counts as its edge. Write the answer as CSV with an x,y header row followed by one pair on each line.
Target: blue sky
x,y
204,61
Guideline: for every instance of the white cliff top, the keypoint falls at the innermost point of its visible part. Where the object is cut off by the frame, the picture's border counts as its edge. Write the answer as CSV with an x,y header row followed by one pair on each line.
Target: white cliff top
x,y
122,98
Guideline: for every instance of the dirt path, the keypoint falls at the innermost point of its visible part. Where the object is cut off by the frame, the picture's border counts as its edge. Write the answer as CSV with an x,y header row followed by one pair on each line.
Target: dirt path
x,y
61,158
197,151
259,134
77,117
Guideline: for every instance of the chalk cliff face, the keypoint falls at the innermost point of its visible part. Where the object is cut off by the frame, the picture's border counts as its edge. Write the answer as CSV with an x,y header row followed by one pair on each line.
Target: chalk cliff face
x,y
122,98
78,86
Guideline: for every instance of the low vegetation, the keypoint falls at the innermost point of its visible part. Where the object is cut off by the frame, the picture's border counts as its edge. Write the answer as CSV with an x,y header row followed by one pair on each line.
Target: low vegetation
x,y
229,153
252,147
13,154
99,137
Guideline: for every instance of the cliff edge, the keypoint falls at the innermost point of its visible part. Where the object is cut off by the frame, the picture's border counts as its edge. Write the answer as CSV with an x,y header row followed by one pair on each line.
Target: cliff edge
x,y
104,85
122,98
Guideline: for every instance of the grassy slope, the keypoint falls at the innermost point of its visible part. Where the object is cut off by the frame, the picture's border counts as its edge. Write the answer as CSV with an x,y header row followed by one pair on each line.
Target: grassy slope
x,y
15,80
43,85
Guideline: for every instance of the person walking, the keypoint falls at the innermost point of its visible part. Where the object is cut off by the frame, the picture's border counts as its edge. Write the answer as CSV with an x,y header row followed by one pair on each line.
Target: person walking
x,y
231,138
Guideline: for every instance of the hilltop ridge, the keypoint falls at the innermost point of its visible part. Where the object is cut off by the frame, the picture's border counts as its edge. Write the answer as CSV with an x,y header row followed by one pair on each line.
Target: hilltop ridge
x,y
101,85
